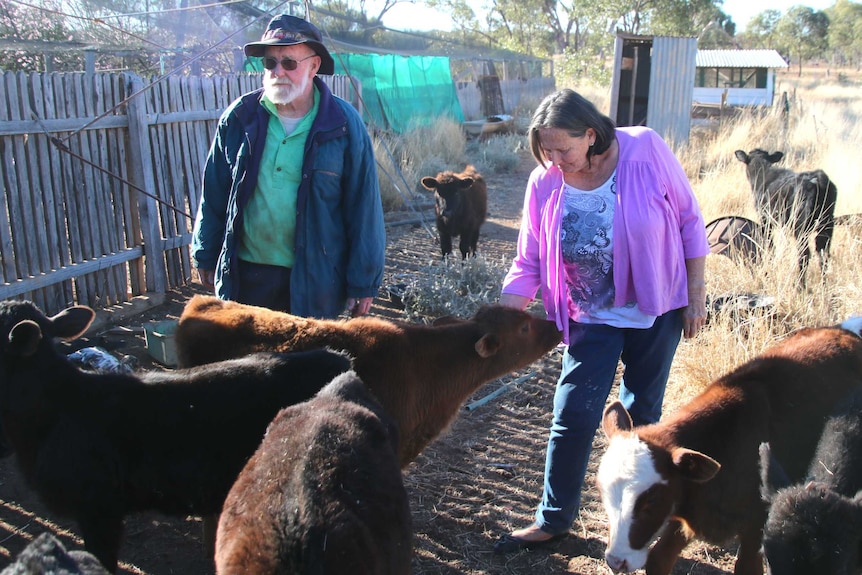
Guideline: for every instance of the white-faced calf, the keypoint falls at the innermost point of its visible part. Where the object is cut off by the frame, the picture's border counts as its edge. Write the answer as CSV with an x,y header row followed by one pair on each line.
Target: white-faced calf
x,y
695,474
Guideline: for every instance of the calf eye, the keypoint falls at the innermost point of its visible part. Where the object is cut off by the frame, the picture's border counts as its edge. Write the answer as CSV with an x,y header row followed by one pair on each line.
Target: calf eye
x,y
648,501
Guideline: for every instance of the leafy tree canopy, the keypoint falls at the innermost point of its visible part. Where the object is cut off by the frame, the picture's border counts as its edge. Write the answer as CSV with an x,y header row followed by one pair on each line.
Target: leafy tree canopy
x,y
582,30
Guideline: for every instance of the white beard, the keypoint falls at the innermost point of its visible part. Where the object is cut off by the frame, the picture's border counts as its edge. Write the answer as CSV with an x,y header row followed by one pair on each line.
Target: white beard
x,y
283,91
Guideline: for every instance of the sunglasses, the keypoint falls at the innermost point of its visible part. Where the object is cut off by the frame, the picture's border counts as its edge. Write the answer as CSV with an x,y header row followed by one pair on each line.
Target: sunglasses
x,y
287,63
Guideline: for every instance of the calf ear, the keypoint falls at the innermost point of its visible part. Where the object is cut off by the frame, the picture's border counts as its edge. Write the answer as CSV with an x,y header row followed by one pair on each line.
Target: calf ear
x,y
772,475
775,157
694,465
72,322
616,419
429,183
488,345
24,338
741,156
465,183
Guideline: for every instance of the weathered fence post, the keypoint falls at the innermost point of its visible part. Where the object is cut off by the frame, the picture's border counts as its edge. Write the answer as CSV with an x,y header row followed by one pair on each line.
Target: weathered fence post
x,y
141,169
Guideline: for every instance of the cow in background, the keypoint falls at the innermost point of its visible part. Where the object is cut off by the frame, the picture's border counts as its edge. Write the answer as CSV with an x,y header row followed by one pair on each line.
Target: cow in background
x,y
461,205
804,201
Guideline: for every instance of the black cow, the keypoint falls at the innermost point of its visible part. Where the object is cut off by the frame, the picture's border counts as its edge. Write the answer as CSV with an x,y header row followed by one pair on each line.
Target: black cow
x,y
803,200
97,446
816,526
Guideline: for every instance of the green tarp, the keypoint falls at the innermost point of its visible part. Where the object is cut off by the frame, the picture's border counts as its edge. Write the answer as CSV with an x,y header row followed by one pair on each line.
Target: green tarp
x,y
402,92
398,92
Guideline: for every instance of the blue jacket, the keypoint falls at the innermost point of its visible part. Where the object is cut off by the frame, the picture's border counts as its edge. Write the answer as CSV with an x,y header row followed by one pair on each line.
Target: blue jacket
x,y
340,235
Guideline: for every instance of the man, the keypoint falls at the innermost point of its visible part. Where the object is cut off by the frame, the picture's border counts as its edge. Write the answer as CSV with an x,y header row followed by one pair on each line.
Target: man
x,y
290,216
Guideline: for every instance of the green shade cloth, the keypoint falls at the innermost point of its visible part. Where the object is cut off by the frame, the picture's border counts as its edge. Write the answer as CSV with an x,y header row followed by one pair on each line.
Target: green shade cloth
x,y
398,92
403,92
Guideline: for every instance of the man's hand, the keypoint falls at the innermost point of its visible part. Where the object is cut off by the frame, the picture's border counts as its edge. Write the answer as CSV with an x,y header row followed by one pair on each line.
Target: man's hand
x,y
360,306
207,278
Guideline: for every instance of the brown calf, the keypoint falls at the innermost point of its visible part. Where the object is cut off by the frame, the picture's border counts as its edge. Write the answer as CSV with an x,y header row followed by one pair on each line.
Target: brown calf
x,y
695,474
420,373
461,205
322,493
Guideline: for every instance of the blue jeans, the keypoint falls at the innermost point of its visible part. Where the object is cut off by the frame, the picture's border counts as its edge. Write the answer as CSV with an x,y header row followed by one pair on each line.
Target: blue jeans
x,y
263,285
588,369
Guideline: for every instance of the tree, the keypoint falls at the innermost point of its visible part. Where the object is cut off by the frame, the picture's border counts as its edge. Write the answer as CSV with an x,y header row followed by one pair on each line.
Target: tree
x,y
762,29
718,35
803,31
22,23
546,27
845,31
689,18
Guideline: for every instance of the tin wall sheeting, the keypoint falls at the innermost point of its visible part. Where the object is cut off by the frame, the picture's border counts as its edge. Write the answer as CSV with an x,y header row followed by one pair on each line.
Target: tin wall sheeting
x,y
671,87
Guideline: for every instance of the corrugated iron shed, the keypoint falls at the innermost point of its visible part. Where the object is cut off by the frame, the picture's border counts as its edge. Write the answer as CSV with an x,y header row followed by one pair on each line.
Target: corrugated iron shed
x,y
671,87
740,59
653,83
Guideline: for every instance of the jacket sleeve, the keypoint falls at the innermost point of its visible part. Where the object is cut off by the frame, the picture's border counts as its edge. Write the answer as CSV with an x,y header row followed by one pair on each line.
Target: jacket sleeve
x,y
209,227
366,231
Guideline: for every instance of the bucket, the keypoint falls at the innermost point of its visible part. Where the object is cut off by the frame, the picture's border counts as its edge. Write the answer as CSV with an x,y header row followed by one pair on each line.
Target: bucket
x,y
159,336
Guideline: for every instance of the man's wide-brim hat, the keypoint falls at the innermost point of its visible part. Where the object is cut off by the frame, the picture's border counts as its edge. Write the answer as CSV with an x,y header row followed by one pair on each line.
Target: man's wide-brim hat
x,y
287,30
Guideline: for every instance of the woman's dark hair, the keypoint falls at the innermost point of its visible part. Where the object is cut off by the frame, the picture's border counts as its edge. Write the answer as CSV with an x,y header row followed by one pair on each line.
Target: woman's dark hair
x,y
567,110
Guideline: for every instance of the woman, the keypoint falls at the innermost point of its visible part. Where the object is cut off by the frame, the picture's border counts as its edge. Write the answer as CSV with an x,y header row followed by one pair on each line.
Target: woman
x,y
613,236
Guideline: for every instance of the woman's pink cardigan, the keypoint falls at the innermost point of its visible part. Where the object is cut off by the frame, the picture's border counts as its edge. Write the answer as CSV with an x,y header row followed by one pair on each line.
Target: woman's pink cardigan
x,y
657,226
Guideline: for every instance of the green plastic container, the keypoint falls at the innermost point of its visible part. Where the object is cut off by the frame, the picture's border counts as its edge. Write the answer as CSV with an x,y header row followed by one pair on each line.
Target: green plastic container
x,y
159,336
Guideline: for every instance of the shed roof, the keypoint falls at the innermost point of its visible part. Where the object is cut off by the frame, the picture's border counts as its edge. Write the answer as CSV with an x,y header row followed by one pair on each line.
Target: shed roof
x,y
740,59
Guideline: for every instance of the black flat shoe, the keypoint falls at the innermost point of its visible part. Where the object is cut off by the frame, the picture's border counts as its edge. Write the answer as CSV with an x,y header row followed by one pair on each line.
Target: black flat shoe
x,y
511,544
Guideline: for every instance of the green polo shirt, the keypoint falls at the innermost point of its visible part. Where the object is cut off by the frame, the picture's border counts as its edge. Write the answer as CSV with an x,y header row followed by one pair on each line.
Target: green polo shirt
x,y
269,218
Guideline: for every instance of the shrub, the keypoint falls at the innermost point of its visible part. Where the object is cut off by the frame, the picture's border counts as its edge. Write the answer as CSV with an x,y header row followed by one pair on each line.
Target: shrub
x,y
498,154
453,287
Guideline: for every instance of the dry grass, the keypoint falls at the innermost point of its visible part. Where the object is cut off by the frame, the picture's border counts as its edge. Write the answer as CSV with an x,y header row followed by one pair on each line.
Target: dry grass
x,y
483,478
425,150
818,133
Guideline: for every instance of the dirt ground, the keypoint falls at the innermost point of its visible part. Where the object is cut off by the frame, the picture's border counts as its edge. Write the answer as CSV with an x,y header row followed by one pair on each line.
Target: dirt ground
x,y
479,480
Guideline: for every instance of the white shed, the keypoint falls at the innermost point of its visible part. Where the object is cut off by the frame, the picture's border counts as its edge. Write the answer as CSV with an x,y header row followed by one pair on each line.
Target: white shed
x,y
743,77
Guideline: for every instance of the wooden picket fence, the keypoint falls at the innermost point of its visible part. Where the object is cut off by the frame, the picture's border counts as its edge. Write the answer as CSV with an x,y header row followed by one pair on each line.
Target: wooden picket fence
x,y
101,176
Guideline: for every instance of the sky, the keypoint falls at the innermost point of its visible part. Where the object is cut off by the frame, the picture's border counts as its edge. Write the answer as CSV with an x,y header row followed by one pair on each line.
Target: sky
x,y
406,16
